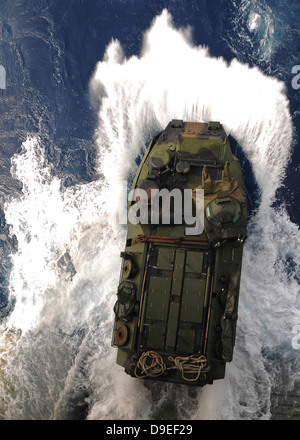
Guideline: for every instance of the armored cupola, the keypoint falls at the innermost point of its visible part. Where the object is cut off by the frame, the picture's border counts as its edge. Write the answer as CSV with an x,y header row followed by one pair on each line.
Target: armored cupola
x,y
223,210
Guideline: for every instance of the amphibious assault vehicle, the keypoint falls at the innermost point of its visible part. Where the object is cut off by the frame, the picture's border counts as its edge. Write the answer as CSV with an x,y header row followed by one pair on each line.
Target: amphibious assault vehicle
x,y
177,301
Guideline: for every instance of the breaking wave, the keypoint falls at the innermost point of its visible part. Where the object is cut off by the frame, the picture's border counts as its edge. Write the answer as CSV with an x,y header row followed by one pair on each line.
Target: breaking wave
x,y
56,360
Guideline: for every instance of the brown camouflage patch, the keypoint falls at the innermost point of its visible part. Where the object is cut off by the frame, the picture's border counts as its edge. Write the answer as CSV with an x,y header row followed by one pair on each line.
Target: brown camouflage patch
x,y
191,129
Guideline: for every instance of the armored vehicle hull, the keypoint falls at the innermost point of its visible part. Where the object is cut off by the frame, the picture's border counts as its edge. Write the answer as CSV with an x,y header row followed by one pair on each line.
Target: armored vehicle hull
x,y
177,302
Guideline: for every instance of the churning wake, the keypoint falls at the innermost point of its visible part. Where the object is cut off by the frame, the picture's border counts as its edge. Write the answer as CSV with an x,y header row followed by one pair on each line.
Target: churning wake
x,y
55,345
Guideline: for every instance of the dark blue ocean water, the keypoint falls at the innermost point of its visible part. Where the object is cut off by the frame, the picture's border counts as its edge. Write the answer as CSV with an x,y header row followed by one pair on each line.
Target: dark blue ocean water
x,y
50,49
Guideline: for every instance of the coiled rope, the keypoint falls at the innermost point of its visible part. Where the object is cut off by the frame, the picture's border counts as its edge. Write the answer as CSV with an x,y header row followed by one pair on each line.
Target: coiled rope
x,y
151,364
191,365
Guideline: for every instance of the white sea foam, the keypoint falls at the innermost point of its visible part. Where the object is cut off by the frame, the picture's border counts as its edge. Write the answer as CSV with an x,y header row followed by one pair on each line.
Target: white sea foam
x,y
253,32
254,21
66,321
